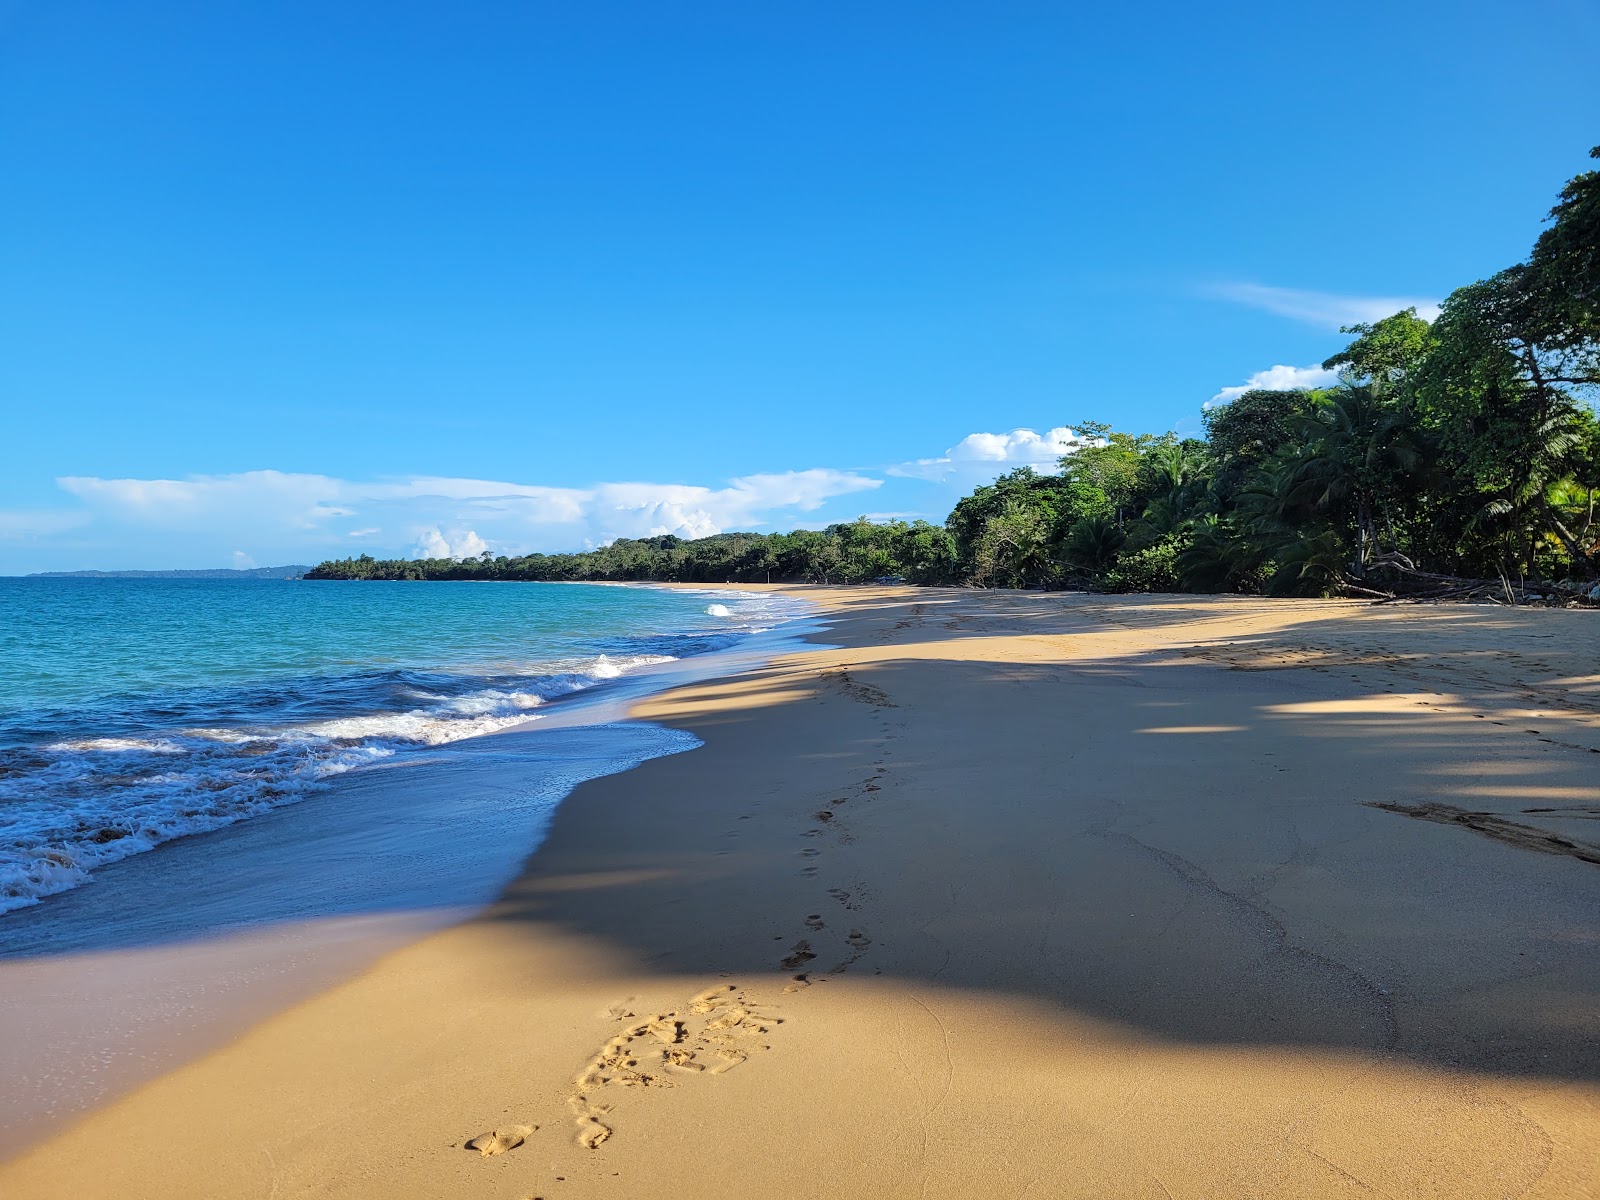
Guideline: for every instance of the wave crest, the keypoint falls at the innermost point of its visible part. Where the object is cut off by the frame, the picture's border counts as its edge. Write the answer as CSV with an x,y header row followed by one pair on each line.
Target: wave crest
x,y
74,804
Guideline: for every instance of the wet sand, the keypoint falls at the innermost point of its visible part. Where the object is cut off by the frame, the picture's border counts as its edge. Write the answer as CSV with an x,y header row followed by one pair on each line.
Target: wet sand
x,y
1022,895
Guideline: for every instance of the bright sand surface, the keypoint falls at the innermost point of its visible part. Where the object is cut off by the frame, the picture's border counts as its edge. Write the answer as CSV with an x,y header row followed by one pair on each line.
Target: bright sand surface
x,y
1091,897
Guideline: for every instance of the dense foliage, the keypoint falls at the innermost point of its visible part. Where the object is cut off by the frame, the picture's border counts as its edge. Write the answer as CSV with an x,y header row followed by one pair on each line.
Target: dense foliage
x,y
850,553
1467,446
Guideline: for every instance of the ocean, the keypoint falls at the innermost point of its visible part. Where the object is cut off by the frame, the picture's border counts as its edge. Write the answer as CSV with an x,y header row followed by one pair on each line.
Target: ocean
x,y
135,712
220,796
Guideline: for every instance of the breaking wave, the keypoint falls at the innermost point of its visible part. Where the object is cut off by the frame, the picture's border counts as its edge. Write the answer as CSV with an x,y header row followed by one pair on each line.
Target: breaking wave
x,y
74,803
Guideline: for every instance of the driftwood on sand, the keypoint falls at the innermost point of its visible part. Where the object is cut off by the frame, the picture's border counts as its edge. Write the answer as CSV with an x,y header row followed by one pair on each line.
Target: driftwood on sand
x,y
1392,577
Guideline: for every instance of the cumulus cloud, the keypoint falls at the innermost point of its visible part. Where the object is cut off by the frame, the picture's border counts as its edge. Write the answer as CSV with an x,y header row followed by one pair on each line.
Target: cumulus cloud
x,y
1279,379
1325,310
433,543
991,454
447,516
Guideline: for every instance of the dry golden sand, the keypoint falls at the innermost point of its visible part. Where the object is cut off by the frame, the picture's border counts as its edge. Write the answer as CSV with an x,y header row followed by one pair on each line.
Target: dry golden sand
x,y
1010,896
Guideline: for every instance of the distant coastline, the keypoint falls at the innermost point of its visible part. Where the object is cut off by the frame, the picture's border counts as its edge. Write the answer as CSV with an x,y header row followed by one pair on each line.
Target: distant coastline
x,y
292,571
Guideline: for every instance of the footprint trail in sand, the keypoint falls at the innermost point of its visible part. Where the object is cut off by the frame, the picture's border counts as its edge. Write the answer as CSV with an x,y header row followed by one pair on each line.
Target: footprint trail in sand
x,y
723,1026
710,1035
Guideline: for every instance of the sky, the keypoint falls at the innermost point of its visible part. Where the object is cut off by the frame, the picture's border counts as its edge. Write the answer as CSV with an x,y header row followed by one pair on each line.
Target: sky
x,y
283,281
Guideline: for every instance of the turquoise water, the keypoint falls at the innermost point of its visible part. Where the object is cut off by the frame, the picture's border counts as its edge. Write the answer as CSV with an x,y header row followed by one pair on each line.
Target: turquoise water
x,y
136,711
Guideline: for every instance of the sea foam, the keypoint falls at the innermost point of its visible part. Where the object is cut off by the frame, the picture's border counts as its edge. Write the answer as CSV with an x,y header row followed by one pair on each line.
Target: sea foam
x,y
189,732
74,804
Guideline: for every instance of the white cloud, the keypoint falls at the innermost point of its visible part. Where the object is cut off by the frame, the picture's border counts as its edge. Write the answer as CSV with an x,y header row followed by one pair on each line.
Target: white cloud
x,y
1279,379
433,543
206,501
987,455
447,517
1323,309
242,561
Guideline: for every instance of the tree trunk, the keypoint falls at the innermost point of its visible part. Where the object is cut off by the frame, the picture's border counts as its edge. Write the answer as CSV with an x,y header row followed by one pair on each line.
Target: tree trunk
x,y
1570,542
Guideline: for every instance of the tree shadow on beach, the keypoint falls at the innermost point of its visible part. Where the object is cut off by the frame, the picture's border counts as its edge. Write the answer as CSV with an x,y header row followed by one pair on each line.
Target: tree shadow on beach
x,y
1281,833
1319,853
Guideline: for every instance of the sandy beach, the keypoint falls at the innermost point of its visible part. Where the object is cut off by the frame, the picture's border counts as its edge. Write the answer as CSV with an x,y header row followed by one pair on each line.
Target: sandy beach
x,y
1007,894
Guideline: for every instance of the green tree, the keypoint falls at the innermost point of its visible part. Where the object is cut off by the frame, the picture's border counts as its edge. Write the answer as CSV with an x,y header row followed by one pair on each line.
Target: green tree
x,y
1243,433
1384,354
1112,461
1497,399
1564,269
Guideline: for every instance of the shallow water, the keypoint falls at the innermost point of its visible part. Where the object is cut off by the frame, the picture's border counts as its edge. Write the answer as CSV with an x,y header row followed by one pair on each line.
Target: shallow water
x,y
137,711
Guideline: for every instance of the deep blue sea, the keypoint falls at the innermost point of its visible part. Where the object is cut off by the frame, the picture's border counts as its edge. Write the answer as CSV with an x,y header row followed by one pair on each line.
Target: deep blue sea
x,y
137,711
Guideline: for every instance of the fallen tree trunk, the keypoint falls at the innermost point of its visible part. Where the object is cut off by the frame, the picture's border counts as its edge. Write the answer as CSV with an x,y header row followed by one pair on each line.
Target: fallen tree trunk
x,y
1401,581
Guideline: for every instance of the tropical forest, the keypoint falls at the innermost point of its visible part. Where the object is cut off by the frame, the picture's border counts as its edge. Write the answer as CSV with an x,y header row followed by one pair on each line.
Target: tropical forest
x,y
1457,457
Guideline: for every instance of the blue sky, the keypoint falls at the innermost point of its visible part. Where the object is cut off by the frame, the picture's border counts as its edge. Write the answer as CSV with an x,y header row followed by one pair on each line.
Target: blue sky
x,y
285,280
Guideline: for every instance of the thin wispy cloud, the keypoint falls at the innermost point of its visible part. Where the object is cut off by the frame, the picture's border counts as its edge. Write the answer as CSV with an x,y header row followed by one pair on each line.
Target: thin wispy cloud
x,y
1279,379
33,524
1326,310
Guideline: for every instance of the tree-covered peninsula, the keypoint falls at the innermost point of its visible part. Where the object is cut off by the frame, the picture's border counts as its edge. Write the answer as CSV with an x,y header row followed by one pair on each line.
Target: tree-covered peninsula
x,y
1453,455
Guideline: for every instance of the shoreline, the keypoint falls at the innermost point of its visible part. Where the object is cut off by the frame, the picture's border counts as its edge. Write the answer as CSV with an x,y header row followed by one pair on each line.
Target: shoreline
x,y
1063,923
102,991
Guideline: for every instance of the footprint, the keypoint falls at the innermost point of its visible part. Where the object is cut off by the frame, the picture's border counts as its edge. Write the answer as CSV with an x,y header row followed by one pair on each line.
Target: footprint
x,y
814,921
711,1034
500,1140
797,982
711,998
591,1132
591,1129
727,1060
799,956
727,1020
858,943
851,900
683,1060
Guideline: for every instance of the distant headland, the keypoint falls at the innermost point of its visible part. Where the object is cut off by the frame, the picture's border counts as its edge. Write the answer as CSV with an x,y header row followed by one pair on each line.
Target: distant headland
x,y
292,571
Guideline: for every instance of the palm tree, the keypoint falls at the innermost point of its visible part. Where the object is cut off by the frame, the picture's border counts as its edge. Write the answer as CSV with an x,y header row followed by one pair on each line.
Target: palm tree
x,y
1092,543
1218,557
1356,453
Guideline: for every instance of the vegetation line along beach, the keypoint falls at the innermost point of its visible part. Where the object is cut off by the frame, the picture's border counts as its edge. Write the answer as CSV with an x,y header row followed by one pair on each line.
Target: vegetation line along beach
x,y
1458,457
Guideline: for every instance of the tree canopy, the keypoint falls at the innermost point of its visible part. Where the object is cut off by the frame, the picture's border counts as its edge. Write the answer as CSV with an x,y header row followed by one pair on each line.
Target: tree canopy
x,y
1467,446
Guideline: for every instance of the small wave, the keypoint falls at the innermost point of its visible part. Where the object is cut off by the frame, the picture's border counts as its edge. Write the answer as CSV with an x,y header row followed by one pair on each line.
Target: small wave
x,y
112,745
493,701
751,612
75,804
